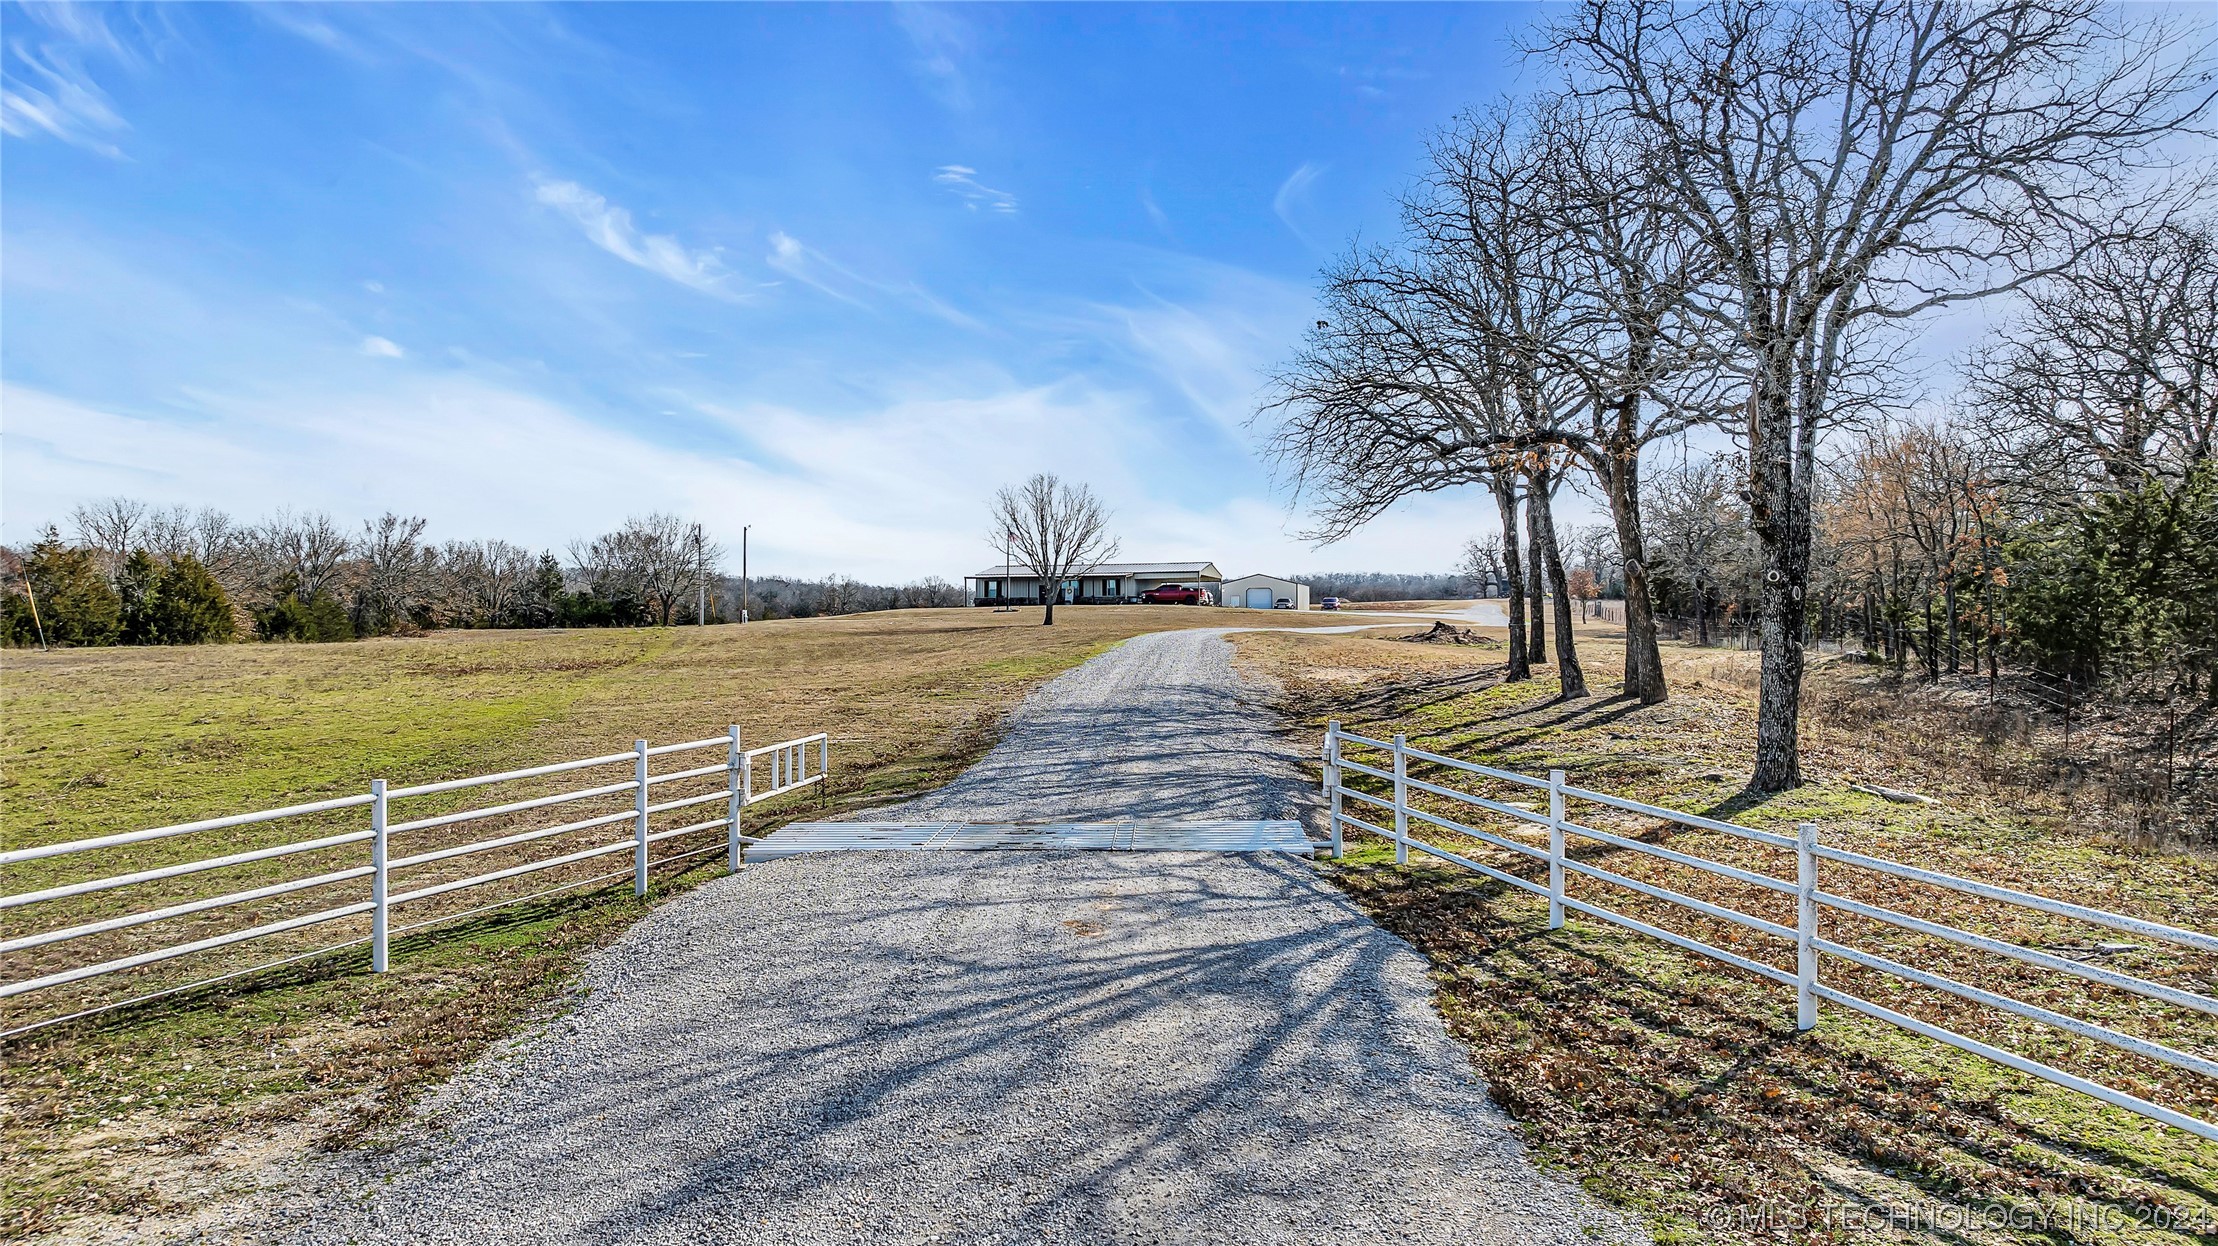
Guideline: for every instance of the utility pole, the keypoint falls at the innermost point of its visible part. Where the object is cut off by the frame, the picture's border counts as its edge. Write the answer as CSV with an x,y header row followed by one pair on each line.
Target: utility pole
x,y
701,603
33,593
1008,539
743,571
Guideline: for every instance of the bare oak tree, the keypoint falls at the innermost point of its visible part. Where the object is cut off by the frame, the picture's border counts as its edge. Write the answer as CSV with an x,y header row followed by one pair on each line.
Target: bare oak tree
x,y
2110,377
396,573
675,561
1057,530
660,561
1694,526
485,583
1851,163
1386,400
1480,565
1538,324
1646,369
1488,258
111,528
302,555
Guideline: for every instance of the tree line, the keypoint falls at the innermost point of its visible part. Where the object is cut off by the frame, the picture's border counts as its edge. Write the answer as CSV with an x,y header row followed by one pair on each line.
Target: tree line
x,y
131,573
1383,585
1728,215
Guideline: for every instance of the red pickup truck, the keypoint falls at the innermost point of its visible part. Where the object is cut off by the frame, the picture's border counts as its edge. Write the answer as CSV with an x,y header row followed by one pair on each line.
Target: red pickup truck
x,y
1174,595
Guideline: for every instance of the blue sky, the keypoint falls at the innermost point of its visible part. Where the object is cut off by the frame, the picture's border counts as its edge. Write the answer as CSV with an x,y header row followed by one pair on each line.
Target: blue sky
x,y
836,272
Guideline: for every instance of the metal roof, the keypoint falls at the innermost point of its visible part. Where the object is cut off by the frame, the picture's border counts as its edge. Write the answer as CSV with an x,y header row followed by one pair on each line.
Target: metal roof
x,y
1166,569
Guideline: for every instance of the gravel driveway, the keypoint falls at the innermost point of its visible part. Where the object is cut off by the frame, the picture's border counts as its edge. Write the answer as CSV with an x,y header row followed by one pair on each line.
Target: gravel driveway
x,y
994,1047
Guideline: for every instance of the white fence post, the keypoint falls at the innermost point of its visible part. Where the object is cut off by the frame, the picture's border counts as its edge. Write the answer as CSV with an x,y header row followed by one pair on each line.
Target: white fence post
x,y
380,922
731,825
1555,850
1805,926
746,780
1332,783
639,806
1401,800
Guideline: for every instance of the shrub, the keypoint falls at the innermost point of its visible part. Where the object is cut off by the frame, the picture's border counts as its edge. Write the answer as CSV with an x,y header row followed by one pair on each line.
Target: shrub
x,y
2122,585
319,619
69,598
137,589
190,607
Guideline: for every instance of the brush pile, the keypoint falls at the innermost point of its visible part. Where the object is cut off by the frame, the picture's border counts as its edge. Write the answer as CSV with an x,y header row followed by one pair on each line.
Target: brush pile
x,y
1446,633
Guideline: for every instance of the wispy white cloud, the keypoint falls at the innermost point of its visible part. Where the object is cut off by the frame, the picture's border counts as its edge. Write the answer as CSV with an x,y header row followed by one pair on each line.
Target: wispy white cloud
x,y
45,88
810,267
854,491
813,268
1211,334
382,348
480,460
941,39
307,23
1291,194
962,181
610,227
1155,211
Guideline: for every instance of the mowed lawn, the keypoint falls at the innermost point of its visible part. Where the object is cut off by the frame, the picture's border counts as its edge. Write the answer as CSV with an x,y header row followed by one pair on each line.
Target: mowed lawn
x,y
127,1113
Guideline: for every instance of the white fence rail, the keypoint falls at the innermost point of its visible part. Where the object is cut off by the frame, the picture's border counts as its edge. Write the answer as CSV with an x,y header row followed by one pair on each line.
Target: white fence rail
x,y
1810,897
785,765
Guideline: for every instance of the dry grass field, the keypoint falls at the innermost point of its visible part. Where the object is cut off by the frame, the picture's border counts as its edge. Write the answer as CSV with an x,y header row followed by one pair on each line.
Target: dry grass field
x,y
143,1110
1679,1086
1400,606
1666,1082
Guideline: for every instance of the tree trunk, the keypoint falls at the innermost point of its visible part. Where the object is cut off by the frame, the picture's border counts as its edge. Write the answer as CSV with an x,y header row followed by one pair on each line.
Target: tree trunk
x,y
1948,600
1541,516
1505,501
1644,676
1701,615
1782,460
1048,619
1932,641
1536,589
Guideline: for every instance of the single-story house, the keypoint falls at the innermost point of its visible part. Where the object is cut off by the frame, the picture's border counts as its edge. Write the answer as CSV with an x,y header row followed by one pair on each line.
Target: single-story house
x,y
1263,592
1106,584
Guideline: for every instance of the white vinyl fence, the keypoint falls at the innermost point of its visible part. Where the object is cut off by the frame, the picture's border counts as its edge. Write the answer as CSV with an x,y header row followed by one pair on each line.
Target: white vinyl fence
x,y
391,870
1393,759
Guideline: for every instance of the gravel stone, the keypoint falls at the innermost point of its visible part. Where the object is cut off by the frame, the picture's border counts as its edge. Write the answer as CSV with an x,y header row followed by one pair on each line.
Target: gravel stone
x,y
994,1047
